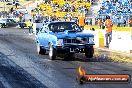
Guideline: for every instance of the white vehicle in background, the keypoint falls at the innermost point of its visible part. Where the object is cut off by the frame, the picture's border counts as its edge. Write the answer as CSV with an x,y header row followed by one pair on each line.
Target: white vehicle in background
x,y
2,23
24,10
7,22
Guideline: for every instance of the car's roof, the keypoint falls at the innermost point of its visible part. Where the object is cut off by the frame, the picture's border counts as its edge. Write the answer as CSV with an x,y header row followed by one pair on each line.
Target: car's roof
x,y
56,22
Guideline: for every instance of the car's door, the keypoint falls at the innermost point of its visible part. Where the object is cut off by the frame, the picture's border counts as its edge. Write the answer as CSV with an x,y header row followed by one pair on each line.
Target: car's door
x,y
43,37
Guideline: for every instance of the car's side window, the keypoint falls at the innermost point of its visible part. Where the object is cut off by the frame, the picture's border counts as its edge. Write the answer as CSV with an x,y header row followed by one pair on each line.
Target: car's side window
x,y
75,27
44,29
54,28
51,27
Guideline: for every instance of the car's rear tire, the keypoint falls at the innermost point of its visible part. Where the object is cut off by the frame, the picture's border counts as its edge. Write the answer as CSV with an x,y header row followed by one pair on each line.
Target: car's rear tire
x,y
52,52
40,50
89,52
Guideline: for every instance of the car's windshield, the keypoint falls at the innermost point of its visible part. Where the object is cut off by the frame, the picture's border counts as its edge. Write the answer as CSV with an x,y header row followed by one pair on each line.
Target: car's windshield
x,y
62,26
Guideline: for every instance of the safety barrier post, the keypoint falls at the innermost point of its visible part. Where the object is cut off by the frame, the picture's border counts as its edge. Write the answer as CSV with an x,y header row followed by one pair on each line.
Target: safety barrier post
x,y
101,39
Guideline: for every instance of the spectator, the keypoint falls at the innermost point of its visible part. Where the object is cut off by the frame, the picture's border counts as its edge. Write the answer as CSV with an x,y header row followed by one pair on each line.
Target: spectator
x,y
108,26
124,23
54,18
103,25
90,22
130,22
29,24
81,22
100,23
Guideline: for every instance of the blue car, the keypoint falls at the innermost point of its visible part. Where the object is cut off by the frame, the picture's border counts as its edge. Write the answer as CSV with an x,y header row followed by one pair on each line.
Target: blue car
x,y
65,38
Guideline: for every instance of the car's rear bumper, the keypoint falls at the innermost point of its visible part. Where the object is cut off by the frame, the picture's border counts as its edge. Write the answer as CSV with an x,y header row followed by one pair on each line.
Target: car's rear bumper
x,y
75,48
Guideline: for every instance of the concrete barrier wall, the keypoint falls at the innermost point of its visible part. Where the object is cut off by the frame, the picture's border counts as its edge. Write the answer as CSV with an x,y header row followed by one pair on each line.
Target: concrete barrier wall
x,y
121,40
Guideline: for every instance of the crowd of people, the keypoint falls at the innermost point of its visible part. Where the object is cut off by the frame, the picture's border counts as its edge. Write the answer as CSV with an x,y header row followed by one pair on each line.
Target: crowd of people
x,y
119,10
66,11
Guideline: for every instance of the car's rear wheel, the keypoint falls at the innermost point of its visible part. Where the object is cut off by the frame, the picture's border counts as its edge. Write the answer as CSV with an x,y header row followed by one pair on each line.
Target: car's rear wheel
x,y
40,50
89,52
52,52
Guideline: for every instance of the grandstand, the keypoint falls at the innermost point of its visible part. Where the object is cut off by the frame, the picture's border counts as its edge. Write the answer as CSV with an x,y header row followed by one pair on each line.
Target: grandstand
x,y
5,5
119,11
61,8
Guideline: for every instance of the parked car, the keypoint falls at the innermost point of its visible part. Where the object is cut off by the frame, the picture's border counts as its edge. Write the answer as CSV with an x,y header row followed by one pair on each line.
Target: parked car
x,y
7,22
64,38
2,23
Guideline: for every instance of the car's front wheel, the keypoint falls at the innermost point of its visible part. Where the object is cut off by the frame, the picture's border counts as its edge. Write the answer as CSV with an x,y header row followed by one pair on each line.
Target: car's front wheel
x,y
40,50
52,52
89,52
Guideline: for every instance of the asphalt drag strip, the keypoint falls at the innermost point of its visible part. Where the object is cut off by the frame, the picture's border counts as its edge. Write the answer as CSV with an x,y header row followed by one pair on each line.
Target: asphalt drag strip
x,y
13,76
19,47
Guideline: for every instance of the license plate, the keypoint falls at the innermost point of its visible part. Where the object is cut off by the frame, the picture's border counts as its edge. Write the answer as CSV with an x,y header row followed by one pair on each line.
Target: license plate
x,y
72,50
